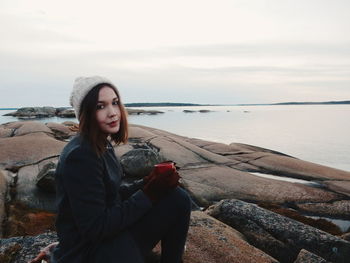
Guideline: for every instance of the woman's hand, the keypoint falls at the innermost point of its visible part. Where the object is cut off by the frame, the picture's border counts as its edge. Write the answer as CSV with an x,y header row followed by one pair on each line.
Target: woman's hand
x,y
162,178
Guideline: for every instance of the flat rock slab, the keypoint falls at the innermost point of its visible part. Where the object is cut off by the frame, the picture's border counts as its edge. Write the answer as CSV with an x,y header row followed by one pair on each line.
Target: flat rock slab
x,y
213,183
28,149
294,234
272,162
339,186
337,209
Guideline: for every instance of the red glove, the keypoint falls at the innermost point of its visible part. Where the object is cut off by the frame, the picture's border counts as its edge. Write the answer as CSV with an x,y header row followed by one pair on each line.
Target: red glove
x,y
164,164
161,180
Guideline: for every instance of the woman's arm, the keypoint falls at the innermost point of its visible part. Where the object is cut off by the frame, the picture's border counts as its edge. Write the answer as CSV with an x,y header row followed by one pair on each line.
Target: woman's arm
x,y
126,190
83,181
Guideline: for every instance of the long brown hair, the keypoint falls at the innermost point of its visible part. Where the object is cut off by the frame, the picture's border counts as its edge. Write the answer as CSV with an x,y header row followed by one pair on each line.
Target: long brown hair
x,y
88,122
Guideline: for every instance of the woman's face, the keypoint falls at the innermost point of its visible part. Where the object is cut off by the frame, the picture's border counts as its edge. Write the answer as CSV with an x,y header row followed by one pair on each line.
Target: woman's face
x,y
108,111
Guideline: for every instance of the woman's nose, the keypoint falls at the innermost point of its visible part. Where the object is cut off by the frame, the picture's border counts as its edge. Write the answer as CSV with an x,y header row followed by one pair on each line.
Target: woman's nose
x,y
112,111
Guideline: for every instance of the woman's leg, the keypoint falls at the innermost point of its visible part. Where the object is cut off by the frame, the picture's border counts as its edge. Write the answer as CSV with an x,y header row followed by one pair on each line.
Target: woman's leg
x,y
167,221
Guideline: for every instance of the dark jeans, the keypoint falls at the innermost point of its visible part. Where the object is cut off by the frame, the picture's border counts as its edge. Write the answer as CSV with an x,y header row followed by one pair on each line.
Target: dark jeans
x,y
168,222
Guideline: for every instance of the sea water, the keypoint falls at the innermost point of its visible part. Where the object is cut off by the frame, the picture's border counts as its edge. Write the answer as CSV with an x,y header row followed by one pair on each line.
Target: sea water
x,y
316,133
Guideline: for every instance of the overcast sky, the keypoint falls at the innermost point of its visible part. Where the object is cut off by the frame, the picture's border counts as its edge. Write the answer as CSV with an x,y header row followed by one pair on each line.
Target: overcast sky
x,y
234,51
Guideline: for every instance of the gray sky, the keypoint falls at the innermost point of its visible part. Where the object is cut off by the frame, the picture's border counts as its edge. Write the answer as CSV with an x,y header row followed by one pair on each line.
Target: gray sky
x,y
234,51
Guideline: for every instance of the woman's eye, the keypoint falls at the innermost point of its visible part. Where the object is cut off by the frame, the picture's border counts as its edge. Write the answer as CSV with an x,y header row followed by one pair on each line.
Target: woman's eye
x,y
99,107
116,102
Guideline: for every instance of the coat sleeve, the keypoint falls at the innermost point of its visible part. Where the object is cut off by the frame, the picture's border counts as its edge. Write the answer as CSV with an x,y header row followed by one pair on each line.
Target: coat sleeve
x,y
83,181
126,190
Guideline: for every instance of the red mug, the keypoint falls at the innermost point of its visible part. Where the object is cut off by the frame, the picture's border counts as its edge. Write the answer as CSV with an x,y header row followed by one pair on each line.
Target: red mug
x,y
164,167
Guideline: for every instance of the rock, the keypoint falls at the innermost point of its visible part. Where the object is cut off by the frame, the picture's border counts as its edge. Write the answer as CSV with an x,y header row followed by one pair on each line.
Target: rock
x,y
31,127
73,126
339,186
291,167
346,237
308,257
35,112
171,150
211,183
23,220
338,209
247,217
189,111
208,241
142,112
122,149
28,149
204,111
138,132
66,113
139,162
31,195
211,241
46,178
61,131
5,132
24,249
3,193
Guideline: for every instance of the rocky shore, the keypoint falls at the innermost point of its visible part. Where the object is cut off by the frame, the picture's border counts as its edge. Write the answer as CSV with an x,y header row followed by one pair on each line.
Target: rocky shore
x,y
63,112
237,215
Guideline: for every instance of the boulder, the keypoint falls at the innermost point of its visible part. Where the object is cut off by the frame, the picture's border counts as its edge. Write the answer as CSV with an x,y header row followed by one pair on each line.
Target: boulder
x,y
30,194
61,131
138,163
28,149
46,178
247,218
308,257
32,127
122,149
211,241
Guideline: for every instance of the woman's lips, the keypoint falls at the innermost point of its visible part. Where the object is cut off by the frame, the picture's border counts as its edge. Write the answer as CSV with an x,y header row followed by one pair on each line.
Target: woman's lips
x,y
113,124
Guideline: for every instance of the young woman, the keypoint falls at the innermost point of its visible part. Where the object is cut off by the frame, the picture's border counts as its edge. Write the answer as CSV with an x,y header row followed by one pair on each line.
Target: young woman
x,y
98,220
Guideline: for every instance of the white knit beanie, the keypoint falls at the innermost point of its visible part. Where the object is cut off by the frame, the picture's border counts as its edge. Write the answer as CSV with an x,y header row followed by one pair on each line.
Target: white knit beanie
x,y
81,87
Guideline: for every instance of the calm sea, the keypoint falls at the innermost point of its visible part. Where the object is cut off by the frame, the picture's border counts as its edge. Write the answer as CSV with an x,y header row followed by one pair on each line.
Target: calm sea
x,y
316,133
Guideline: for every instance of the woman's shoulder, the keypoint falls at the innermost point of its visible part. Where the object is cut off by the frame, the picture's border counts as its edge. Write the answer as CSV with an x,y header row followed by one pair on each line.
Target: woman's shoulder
x,y
77,146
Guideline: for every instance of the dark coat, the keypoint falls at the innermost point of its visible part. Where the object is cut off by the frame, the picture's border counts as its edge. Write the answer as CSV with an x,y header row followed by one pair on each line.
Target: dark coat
x,y
90,204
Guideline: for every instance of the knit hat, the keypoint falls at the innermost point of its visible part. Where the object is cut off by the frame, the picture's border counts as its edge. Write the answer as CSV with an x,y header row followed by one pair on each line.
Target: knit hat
x,y
81,87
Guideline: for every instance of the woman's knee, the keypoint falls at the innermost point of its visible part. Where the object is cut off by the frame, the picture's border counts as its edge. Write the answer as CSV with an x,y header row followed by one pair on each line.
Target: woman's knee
x,y
180,198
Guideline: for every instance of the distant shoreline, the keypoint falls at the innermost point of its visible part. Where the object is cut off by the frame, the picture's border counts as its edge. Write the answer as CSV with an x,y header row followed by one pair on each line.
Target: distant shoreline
x,y
169,104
